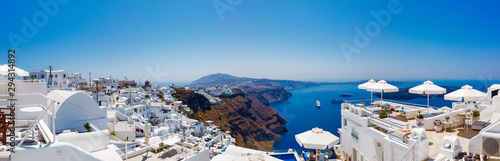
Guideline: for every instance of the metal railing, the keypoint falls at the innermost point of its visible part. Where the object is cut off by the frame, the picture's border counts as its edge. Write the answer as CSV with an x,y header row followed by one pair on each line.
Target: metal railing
x,y
410,154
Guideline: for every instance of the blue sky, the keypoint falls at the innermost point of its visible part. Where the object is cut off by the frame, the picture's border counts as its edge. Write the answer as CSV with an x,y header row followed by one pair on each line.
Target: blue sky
x,y
298,40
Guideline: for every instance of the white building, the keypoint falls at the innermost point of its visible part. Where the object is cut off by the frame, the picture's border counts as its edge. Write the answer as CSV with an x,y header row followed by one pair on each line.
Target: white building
x,y
60,78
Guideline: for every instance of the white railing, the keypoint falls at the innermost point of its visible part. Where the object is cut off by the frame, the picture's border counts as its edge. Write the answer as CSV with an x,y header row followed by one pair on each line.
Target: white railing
x,y
51,105
410,154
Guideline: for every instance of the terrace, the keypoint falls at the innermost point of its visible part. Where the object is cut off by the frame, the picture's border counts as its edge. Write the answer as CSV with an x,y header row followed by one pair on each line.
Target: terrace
x,y
401,120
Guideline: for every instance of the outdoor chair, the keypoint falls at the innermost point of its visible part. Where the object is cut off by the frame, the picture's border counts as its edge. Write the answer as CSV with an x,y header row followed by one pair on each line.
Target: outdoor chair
x,y
438,126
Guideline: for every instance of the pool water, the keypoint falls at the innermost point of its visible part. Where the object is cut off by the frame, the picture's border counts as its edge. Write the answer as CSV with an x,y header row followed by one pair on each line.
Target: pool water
x,y
285,157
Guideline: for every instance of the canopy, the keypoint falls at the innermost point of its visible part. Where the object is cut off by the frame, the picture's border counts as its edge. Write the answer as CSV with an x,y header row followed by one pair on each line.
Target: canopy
x,y
466,93
4,70
495,86
382,86
316,139
366,85
427,88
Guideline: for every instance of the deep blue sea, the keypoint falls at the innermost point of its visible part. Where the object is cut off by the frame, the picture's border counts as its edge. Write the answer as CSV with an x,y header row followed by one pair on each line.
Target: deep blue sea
x,y
302,114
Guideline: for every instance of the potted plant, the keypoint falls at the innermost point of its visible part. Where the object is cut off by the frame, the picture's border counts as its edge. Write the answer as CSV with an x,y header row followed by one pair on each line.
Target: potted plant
x,y
382,114
87,127
447,118
420,117
475,115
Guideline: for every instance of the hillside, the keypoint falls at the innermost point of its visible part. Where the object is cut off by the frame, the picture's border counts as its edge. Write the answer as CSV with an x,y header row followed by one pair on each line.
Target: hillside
x,y
250,121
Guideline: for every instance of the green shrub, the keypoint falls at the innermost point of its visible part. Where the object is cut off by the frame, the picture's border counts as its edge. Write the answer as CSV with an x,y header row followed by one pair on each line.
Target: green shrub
x,y
382,114
475,113
419,115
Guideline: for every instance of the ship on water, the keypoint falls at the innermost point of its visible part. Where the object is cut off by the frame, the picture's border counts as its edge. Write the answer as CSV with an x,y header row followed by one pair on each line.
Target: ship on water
x,y
318,104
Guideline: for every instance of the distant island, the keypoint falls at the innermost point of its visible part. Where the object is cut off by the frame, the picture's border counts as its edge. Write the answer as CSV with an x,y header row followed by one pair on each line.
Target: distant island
x,y
221,79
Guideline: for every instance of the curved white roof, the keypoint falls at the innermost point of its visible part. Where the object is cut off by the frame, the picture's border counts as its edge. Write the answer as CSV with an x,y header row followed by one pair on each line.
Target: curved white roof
x,y
72,109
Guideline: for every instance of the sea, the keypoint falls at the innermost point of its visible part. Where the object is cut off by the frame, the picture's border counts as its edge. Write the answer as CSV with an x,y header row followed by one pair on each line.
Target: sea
x,y
302,114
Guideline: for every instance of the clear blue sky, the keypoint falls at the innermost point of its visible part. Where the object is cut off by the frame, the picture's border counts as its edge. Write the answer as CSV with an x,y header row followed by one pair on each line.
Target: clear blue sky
x,y
299,40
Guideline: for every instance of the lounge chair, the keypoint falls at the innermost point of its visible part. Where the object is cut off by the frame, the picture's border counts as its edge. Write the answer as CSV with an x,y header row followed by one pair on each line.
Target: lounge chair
x,y
484,122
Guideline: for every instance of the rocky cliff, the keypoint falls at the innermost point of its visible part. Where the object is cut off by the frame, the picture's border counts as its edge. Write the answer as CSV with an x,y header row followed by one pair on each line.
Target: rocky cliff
x,y
254,124
266,93
196,102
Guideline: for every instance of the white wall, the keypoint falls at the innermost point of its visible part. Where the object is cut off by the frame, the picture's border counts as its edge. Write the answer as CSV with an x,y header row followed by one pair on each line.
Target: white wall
x,y
59,151
89,141
200,156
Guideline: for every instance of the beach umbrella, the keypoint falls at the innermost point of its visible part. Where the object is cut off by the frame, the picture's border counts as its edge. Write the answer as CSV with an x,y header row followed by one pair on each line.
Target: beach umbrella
x,y
466,93
427,88
4,70
146,139
382,86
366,85
317,139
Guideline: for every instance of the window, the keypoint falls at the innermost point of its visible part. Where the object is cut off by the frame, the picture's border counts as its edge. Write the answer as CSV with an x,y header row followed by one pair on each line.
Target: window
x,y
56,75
345,122
354,133
42,76
55,83
64,75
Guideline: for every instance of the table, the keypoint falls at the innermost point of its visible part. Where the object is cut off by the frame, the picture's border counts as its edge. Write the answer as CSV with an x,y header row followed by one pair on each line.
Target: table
x,y
403,132
447,123
31,113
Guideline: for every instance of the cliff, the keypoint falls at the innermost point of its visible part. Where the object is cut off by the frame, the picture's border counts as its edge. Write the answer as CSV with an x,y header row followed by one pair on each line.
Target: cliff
x,y
195,101
250,121
266,93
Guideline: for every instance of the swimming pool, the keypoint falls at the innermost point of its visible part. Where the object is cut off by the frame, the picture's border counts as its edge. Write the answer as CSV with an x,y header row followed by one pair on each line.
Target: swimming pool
x,y
285,157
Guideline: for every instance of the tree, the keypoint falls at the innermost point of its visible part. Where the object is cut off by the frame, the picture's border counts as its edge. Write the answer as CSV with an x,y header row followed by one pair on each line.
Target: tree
x,y
87,127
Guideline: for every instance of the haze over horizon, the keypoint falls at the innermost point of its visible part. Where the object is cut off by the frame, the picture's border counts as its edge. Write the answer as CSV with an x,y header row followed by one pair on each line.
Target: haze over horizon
x,y
181,41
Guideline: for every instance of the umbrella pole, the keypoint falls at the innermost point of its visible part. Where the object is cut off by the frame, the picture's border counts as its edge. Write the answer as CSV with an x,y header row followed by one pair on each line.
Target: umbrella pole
x,y
381,98
371,98
427,103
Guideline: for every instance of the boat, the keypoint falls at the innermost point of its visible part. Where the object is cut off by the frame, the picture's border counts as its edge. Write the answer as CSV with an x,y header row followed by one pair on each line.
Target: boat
x,y
317,103
345,95
334,100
